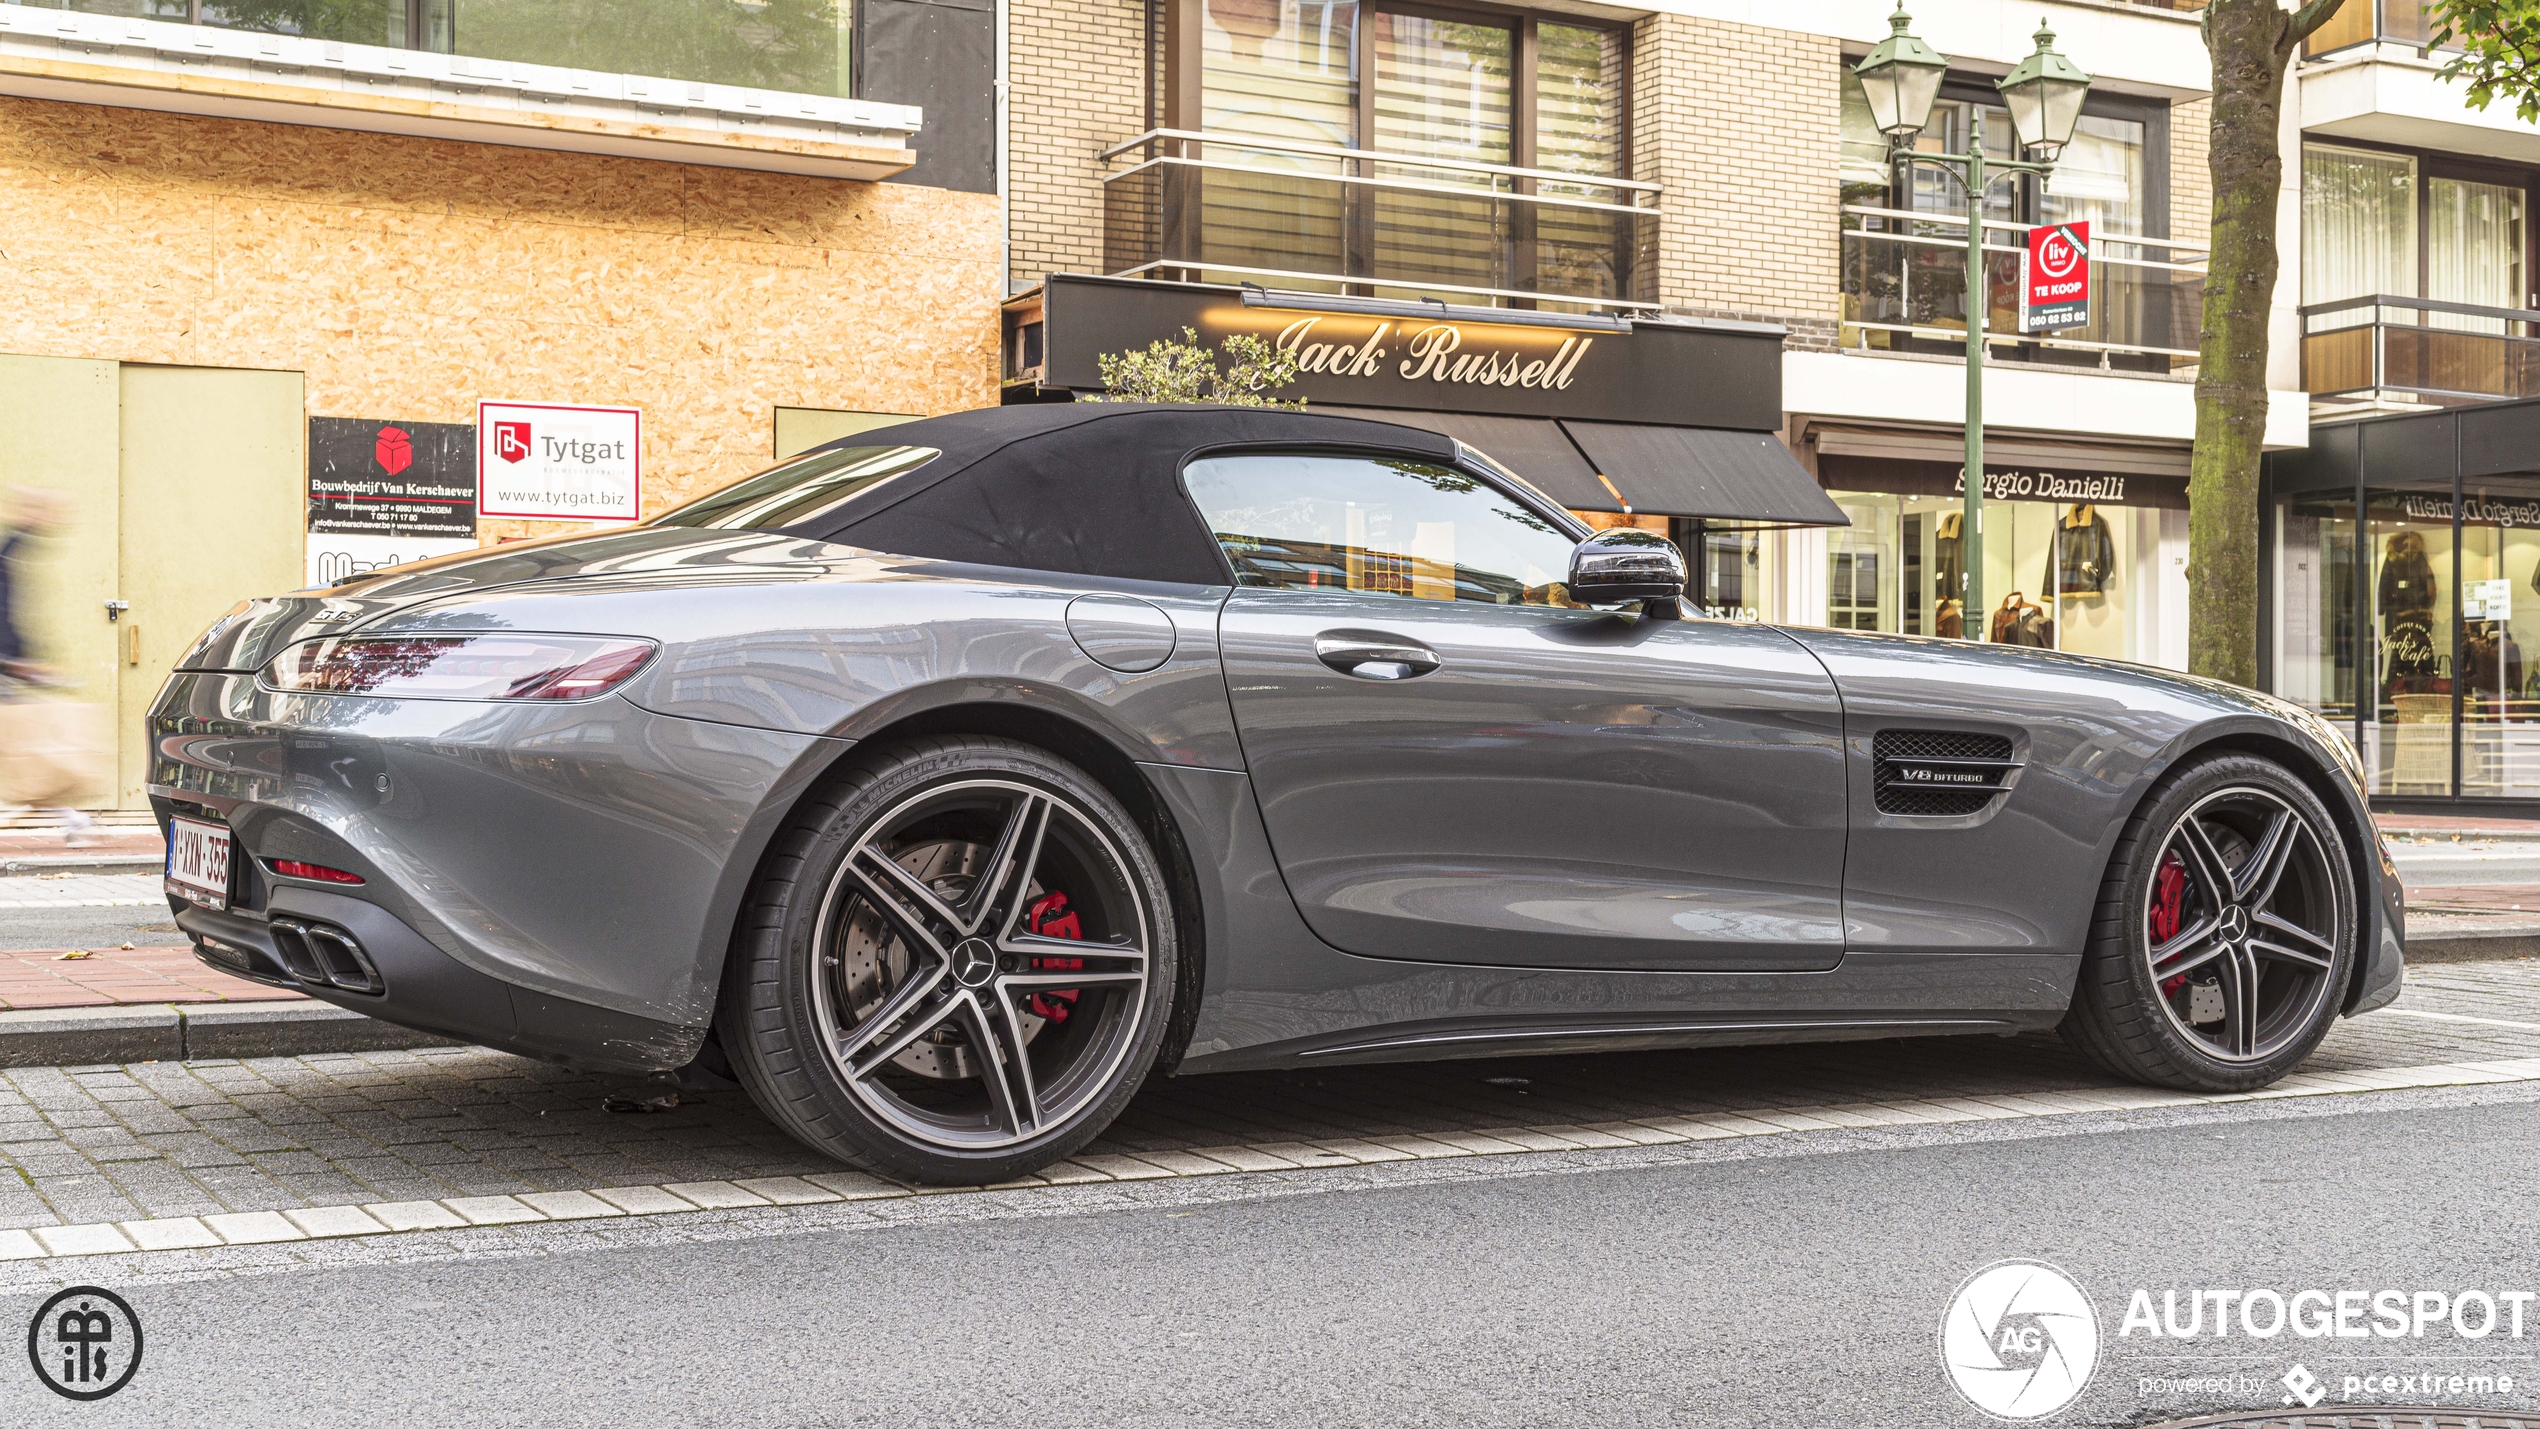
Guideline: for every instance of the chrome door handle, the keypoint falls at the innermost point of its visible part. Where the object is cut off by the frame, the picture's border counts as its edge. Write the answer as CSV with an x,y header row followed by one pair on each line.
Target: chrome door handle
x,y
1374,655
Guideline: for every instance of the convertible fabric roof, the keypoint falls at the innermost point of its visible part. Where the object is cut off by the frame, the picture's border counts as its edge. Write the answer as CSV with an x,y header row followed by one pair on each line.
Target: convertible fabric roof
x,y
1089,488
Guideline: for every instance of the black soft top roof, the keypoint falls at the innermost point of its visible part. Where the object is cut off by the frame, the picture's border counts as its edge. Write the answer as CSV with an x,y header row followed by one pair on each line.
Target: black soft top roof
x,y
1089,488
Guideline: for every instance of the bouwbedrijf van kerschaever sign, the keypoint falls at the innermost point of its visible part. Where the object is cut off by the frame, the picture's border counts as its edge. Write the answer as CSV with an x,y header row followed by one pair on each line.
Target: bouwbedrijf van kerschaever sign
x,y
374,477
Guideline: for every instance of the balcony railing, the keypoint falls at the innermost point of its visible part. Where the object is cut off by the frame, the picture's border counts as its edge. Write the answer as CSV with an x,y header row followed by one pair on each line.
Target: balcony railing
x,y
2361,22
1905,290
1322,217
2422,348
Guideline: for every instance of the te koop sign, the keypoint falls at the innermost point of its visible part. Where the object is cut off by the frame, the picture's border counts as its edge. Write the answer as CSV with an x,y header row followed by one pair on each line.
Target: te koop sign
x,y
546,461
2055,287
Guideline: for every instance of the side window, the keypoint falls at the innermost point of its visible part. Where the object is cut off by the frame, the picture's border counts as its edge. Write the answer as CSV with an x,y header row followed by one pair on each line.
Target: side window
x,y
1384,525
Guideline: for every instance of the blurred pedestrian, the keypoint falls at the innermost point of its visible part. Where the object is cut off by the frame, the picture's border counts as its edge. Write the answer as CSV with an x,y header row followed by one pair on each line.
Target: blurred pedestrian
x,y
37,767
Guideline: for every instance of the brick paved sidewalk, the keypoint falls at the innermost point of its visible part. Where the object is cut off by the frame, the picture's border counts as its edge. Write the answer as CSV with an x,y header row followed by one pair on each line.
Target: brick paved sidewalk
x,y
109,1144
118,976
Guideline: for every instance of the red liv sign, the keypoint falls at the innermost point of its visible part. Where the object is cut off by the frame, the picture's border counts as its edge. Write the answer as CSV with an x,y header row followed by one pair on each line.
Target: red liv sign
x,y
2055,280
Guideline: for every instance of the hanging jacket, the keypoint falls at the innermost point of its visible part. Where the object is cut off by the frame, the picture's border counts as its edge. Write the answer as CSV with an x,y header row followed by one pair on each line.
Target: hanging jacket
x,y
2407,582
2085,554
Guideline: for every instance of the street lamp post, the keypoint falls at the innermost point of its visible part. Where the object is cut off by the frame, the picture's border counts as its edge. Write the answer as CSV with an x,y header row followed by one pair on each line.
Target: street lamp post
x,y
1901,79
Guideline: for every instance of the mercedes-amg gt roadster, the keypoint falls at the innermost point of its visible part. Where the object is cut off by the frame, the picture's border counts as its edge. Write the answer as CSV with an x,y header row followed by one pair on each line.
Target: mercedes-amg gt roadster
x,y
945,784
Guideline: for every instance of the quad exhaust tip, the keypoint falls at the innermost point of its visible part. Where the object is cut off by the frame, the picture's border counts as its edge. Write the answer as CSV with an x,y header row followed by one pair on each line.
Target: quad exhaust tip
x,y
323,955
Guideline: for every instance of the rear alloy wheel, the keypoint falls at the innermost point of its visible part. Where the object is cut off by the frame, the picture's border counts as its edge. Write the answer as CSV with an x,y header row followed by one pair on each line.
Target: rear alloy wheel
x,y
966,972
2225,933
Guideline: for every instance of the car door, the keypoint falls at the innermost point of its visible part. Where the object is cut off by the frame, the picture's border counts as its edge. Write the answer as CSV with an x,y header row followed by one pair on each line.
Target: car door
x,y
1456,765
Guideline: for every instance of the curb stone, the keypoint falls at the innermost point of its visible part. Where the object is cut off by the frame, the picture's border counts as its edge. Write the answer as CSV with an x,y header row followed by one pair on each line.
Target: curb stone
x,y
173,1032
776,1193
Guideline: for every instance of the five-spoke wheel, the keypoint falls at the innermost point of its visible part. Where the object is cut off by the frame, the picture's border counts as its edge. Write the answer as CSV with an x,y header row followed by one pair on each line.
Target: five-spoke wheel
x,y
2224,935
965,972
984,952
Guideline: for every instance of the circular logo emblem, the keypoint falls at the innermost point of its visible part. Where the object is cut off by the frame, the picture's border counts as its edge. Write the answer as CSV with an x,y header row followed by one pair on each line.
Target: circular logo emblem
x,y
85,1343
2020,1339
973,962
2056,256
2233,925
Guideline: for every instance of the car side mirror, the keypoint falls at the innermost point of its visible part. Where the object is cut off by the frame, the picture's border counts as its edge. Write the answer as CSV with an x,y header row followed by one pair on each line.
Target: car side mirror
x,y
1625,563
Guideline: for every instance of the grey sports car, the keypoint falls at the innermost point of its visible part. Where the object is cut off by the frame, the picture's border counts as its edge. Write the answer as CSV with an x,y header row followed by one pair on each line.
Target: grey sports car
x,y
944,788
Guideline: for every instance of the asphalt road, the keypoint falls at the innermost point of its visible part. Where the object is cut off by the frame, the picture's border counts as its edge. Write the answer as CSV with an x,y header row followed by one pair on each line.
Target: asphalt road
x,y
2436,864
1800,1282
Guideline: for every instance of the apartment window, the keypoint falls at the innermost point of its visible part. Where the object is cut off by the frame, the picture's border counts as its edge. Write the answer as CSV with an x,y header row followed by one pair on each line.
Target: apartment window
x,y
1386,141
2416,273
798,46
1904,276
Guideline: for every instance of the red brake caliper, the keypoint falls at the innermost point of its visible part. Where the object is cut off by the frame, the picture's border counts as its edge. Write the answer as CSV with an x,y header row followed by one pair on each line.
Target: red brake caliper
x,y
1049,918
2169,895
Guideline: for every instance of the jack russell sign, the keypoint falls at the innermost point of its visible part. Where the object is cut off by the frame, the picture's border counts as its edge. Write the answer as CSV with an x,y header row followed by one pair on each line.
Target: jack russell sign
x,y
1695,374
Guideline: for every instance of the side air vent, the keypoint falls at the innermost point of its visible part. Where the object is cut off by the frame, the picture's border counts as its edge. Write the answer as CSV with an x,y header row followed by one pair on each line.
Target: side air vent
x,y
321,955
1938,772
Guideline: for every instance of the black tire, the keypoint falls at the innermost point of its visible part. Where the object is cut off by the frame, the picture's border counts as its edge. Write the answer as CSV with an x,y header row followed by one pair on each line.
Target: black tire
x,y
930,986
2235,1006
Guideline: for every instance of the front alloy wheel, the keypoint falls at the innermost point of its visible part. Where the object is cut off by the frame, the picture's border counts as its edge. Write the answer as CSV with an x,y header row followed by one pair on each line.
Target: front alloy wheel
x,y
962,965
2225,933
2242,918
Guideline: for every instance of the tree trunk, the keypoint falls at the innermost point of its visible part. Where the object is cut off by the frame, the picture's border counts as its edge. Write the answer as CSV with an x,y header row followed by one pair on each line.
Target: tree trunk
x,y
2251,42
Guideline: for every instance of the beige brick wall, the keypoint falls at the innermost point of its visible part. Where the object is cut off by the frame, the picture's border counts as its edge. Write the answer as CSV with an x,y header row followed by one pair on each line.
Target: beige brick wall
x,y
1741,123
2191,183
1076,91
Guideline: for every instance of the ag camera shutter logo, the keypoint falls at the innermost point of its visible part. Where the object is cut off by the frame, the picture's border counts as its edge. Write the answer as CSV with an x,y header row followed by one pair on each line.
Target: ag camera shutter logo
x,y
2019,1339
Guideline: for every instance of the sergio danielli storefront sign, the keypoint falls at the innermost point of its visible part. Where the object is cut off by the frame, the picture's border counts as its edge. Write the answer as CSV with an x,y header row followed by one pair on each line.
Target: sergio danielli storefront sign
x,y
2475,511
1689,375
2015,485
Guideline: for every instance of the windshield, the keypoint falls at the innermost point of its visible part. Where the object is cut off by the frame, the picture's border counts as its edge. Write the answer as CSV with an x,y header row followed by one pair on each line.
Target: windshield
x,y
797,491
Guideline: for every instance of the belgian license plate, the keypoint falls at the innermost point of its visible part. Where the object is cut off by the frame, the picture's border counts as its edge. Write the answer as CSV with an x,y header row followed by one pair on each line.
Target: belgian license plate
x,y
198,861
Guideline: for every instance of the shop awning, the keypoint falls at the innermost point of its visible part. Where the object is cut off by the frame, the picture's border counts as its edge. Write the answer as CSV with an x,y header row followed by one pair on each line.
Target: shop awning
x,y
1702,471
1532,447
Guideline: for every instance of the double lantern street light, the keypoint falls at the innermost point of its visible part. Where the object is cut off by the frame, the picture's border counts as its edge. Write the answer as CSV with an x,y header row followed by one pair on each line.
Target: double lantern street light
x,y
1900,79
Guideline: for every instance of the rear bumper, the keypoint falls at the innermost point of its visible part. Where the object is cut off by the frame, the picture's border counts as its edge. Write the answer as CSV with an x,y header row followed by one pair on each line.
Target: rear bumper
x,y
560,882
427,989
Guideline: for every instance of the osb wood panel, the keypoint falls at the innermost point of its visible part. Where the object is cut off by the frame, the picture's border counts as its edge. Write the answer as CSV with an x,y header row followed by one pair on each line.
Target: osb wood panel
x,y
411,277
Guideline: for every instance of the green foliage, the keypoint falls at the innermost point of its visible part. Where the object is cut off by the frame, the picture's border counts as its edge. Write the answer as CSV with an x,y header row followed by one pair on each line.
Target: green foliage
x,y
1184,371
2499,43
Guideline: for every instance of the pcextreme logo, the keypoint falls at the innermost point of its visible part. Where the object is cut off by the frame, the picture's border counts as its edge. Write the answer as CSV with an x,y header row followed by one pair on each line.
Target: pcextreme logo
x,y
2019,1339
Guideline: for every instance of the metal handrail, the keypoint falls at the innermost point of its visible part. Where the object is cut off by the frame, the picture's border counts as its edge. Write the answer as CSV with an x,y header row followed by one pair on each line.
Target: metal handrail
x,y
1959,220
1575,205
1959,245
1364,280
1375,156
2020,339
2424,305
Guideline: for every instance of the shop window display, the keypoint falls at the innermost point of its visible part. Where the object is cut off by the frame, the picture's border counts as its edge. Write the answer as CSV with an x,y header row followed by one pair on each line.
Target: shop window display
x,y
2408,740
2499,622
1739,569
2058,575
2315,627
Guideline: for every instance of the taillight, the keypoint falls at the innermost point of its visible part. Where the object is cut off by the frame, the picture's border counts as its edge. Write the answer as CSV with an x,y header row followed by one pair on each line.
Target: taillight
x,y
315,872
460,667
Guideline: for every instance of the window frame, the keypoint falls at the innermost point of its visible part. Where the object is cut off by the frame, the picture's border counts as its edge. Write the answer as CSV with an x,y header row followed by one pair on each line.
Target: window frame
x,y
1526,499
1183,102
419,17
2443,164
